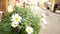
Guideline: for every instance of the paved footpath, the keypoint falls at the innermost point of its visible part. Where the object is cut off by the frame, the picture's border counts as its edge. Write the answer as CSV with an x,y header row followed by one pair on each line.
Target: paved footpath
x,y
52,25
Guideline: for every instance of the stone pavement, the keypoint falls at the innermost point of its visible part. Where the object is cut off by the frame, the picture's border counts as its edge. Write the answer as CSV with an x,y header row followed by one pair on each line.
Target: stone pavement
x,y
52,25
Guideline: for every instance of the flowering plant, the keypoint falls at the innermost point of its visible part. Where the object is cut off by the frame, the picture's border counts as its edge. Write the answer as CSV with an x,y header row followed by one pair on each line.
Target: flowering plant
x,y
20,21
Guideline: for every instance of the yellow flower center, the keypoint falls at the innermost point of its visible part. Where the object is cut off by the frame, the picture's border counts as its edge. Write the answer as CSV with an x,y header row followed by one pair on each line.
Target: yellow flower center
x,y
28,30
14,24
16,19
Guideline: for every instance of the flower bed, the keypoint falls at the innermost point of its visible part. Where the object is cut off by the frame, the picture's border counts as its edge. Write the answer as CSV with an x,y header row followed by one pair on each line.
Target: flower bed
x,y
20,21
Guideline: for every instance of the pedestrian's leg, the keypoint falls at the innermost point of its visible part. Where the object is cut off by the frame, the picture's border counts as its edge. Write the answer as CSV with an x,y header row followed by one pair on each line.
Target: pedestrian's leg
x,y
47,13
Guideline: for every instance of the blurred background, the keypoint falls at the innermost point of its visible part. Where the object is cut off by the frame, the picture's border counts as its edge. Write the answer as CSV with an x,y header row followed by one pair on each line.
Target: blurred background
x,y
49,9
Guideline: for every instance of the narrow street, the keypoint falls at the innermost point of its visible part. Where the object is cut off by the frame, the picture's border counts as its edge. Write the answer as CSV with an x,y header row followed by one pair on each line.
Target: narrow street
x,y
52,25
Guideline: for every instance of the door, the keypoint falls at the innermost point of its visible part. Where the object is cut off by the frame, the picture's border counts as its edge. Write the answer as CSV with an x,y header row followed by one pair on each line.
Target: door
x,y
3,5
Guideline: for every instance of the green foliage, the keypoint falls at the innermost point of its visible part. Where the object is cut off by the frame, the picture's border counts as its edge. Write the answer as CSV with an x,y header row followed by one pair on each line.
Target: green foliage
x,y
28,19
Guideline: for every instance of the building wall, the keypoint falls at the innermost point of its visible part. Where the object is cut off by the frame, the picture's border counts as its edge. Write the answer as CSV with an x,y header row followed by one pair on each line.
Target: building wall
x,y
52,5
58,1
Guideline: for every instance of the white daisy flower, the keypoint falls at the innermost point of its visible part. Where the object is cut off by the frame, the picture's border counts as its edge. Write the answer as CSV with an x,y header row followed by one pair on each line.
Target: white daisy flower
x,y
16,18
19,4
10,9
43,15
14,24
43,20
29,30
